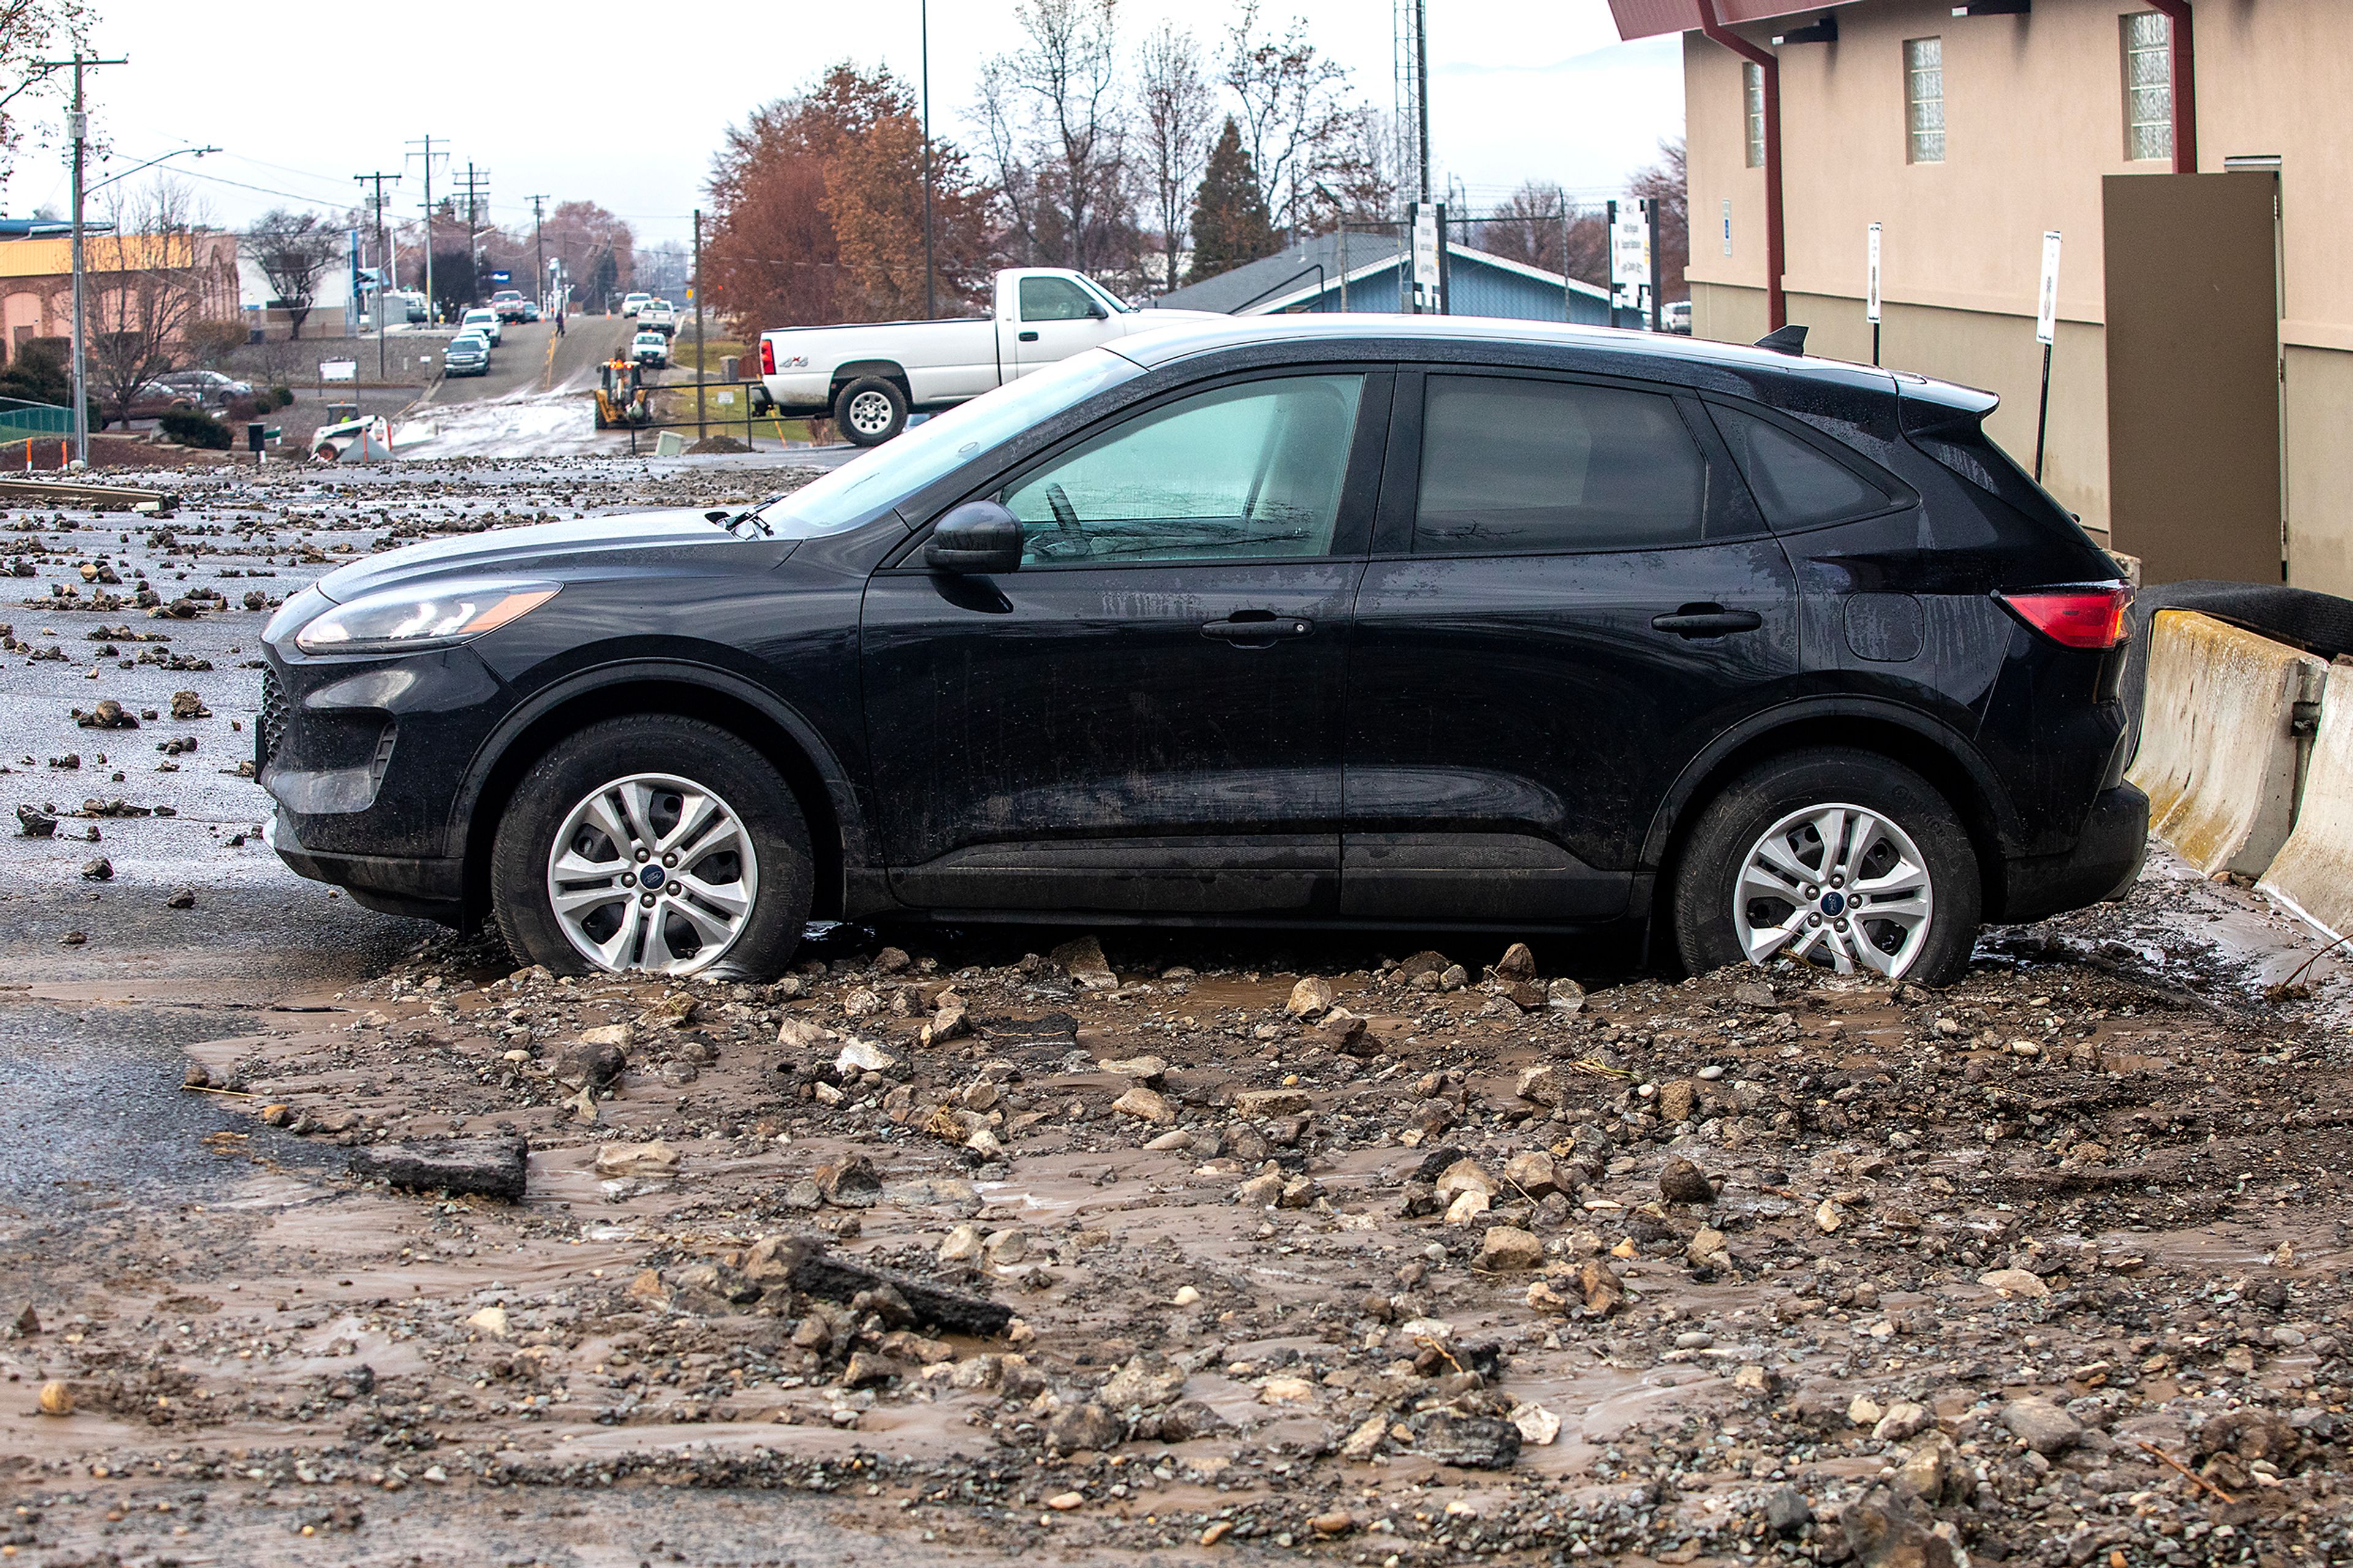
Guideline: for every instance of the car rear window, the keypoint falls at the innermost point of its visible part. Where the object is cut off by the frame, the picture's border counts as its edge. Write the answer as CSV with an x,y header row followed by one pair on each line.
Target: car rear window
x,y
1511,465
1795,484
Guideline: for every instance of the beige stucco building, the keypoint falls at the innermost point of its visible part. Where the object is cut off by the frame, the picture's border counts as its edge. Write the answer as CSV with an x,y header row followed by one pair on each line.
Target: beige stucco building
x,y
1966,132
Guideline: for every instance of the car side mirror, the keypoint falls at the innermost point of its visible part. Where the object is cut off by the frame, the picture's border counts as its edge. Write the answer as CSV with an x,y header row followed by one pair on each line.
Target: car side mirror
x,y
1095,308
979,539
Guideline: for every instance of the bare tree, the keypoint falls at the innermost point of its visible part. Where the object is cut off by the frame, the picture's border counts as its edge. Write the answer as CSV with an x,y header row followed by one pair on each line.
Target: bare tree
x,y
159,273
1053,120
1352,178
293,250
1004,161
1177,117
29,30
1668,183
1295,109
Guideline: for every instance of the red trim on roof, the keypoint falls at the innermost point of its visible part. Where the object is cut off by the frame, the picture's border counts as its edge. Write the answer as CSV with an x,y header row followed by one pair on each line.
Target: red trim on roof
x,y
1648,19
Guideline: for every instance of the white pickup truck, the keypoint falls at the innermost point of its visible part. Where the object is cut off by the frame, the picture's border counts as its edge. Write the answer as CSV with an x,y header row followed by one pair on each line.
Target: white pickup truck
x,y
870,377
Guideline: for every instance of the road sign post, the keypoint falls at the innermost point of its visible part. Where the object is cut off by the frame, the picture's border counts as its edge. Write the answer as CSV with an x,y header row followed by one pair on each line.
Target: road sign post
x,y
1870,289
1428,295
2046,332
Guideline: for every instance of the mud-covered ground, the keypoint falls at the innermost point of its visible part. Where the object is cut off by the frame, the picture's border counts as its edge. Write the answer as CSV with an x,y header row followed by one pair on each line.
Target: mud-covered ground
x,y
1141,1246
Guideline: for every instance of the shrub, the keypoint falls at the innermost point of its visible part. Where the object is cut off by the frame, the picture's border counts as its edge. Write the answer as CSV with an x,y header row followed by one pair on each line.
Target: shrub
x,y
281,397
237,410
191,428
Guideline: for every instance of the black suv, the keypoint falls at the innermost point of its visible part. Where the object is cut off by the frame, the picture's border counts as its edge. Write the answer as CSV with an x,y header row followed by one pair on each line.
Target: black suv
x,y
1422,622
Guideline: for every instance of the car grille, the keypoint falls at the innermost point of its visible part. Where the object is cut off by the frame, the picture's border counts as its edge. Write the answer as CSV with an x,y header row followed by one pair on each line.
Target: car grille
x,y
269,724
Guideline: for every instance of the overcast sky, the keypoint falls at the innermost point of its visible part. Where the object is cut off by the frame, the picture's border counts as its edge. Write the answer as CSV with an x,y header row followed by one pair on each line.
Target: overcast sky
x,y
627,112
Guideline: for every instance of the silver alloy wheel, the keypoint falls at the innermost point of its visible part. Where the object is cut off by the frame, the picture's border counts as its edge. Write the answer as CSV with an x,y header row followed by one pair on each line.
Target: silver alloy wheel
x,y
869,413
1834,884
652,871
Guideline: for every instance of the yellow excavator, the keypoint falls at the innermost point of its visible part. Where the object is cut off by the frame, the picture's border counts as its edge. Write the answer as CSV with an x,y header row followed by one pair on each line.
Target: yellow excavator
x,y
623,400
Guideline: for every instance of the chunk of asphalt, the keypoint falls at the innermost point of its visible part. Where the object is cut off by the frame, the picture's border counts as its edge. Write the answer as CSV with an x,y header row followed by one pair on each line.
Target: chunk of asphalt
x,y
463,1167
819,1271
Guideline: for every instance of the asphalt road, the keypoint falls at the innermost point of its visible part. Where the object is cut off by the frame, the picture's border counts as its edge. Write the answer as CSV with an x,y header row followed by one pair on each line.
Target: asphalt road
x,y
531,358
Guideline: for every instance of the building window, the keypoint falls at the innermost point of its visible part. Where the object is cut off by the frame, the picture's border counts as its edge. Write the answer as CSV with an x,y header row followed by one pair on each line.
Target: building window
x,y
2149,85
1752,81
1924,101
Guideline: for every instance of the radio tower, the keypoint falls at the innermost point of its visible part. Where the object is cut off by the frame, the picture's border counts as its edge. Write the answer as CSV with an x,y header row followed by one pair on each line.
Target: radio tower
x,y
1411,59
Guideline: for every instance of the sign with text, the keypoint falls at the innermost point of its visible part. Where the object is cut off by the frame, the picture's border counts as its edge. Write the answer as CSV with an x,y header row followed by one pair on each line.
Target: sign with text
x,y
1871,280
2046,300
339,369
1428,255
1629,254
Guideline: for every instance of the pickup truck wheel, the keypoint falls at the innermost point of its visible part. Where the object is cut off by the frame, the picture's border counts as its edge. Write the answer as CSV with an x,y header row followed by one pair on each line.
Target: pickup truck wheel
x,y
869,411
656,843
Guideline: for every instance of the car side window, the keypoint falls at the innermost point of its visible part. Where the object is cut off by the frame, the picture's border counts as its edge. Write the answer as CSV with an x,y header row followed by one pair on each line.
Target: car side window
x,y
1054,300
1510,464
1796,485
1243,472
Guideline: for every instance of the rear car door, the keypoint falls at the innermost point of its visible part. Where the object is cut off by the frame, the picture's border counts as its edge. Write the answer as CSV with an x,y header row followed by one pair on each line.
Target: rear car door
x,y
1570,594
1057,320
1146,717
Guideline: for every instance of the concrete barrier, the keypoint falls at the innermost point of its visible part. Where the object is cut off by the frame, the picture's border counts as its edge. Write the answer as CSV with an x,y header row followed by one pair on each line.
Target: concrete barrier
x,y
2312,872
2219,751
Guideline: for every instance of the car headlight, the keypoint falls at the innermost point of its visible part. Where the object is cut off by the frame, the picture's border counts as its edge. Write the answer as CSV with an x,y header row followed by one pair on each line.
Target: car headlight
x,y
397,620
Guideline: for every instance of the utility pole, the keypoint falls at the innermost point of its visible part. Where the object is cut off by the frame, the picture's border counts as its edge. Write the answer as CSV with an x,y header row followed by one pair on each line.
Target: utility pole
x,y
1422,95
696,288
923,13
478,193
539,244
383,260
427,155
78,124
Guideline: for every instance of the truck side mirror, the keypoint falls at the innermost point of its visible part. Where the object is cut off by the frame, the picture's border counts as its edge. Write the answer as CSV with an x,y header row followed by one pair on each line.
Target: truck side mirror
x,y
979,539
1095,309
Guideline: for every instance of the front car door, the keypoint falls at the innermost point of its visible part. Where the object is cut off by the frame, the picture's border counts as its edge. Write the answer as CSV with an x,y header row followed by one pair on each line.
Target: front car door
x,y
1570,594
1146,717
1057,319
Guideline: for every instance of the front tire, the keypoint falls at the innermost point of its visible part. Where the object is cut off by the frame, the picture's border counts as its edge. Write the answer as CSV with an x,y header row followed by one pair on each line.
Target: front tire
x,y
869,411
1837,857
652,843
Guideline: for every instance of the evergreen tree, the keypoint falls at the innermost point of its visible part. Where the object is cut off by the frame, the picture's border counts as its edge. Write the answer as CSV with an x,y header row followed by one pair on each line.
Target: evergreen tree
x,y
1230,225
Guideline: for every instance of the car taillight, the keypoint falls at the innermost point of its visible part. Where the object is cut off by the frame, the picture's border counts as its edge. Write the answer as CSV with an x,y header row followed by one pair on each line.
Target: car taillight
x,y
2074,617
767,357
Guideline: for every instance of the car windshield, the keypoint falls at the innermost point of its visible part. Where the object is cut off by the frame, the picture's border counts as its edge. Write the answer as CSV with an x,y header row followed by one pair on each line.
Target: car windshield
x,y
887,475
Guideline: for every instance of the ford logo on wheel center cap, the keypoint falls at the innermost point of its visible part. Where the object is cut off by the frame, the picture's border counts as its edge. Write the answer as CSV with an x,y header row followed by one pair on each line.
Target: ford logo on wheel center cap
x,y
652,877
1832,903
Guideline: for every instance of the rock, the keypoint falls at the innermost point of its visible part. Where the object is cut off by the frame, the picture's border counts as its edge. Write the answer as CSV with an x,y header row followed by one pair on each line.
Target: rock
x,y
491,1321
1344,1032
20,1319
1469,1442
1087,1426
108,715
656,1161
1681,1182
864,1056
1755,1378
1367,1439
1467,1207
1862,1410
1311,998
1904,1420
1677,1099
188,705
673,1010
1007,1246
1186,1420
1787,1512
1258,1104
181,899
1454,978
848,1183
866,1368
892,959
1541,1086
1564,995
34,823
1755,993
99,870
1934,1473
1144,1381
1517,963
493,1168
1464,1175
962,1246
809,1266
1887,1527
1506,1248
950,1020
1262,1191
2042,1425
1147,1105
860,1001
1708,1248
1538,1426
1299,1193
1338,1522
1604,1293
1532,1171
1082,960
1146,1070
1063,1502
801,1035
57,1398
623,1034
2023,1282
591,1066
2249,1433
1423,962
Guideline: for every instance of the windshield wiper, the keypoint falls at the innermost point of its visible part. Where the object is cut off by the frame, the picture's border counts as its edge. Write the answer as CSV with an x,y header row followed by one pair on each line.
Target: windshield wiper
x,y
750,514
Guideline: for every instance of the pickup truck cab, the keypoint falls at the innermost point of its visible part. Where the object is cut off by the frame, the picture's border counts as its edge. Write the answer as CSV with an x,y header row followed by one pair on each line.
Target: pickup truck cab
x,y
870,377
483,320
509,304
632,303
659,315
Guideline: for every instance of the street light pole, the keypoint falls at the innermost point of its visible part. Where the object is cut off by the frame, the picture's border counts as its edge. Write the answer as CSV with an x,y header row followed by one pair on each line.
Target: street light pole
x,y
923,13
77,124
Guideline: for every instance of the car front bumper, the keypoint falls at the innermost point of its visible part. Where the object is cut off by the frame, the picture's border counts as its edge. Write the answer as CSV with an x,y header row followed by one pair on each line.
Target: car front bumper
x,y
428,887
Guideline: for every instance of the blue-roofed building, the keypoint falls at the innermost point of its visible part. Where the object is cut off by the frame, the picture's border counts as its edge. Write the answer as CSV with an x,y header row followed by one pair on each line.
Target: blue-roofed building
x,y
1356,272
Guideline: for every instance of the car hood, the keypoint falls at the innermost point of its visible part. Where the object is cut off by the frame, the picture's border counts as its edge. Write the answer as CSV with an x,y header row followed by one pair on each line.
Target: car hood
x,y
552,547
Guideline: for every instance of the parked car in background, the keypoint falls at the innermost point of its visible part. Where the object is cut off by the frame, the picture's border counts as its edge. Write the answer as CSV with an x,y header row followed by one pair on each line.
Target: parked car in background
x,y
485,321
650,348
509,304
632,303
661,315
869,378
468,354
530,310
210,388
1422,621
1676,316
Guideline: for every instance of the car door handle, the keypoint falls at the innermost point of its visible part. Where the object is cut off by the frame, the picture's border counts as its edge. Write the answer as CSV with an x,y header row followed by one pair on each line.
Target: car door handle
x,y
1028,337
1258,628
1706,621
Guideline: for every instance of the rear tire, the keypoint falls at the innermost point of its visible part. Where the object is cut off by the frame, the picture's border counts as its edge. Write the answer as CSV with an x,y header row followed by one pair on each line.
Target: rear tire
x,y
1774,866
669,844
869,411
